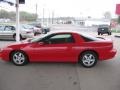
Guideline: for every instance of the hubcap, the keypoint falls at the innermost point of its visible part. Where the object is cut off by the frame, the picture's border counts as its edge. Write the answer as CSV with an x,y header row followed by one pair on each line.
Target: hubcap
x,y
18,58
88,59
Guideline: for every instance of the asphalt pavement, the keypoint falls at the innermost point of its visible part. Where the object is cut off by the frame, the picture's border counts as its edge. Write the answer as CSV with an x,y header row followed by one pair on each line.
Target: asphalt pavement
x,y
62,76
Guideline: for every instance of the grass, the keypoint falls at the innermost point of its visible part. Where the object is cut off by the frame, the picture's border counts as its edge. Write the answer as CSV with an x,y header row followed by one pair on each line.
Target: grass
x,y
115,31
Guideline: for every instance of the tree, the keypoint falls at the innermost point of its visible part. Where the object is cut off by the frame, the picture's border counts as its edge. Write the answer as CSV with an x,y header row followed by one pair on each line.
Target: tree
x,y
119,19
4,14
24,16
107,15
12,15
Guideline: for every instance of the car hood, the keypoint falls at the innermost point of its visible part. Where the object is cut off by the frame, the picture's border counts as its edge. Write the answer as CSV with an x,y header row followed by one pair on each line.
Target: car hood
x,y
18,44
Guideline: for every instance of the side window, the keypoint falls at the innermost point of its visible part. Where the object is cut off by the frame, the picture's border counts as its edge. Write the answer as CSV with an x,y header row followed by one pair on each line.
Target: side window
x,y
8,28
60,38
2,28
12,28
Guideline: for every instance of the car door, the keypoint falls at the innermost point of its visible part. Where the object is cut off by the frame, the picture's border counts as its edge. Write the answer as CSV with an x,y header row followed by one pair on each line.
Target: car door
x,y
56,48
8,32
1,32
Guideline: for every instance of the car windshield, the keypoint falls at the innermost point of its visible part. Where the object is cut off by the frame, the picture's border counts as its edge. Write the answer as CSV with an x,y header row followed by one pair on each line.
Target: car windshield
x,y
39,37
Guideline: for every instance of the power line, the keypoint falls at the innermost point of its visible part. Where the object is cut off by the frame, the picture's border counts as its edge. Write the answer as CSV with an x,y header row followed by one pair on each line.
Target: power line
x,y
10,3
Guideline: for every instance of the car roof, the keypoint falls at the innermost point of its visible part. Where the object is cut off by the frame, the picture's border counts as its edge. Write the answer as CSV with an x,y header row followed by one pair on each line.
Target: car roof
x,y
64,31
104,25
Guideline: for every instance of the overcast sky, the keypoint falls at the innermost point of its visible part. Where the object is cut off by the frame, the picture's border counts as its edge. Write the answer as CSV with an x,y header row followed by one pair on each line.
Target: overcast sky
x,y
73,8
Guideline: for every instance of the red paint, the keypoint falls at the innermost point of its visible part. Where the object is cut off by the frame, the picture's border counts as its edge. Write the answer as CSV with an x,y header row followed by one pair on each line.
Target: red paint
x,y
117,9
66,52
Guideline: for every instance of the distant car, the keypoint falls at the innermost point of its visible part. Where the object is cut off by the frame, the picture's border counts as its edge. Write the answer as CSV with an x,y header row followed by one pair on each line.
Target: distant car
x,y
36,24
104,29
37,28
45,30
59,47
9,32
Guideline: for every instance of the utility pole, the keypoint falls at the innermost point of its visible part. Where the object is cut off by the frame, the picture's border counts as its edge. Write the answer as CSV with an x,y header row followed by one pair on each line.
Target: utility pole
x,y
43,15
49,18
36,11
17,21
53,17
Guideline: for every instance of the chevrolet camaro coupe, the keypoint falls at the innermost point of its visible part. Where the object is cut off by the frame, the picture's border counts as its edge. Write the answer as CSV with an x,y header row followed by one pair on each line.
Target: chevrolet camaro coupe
x,y
63,46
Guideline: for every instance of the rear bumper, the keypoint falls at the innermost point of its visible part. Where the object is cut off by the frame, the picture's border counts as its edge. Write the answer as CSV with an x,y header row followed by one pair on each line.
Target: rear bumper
x,y
108,55
28,35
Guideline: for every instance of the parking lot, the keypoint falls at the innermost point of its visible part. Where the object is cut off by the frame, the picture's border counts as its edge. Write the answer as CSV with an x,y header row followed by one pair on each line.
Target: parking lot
x,y
62,76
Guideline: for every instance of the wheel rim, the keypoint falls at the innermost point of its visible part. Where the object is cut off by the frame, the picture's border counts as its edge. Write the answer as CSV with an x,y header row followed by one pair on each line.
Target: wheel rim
x,y
19,58
88,59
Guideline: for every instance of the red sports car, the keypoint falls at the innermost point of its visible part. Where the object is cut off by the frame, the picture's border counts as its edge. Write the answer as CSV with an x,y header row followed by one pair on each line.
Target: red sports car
x,y
60,47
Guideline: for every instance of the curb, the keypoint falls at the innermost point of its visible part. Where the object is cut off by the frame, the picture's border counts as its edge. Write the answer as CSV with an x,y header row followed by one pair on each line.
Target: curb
x,y
117,36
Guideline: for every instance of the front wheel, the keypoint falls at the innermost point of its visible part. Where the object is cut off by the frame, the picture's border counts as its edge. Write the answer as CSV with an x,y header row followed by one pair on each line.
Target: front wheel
x,y
88,59
19,58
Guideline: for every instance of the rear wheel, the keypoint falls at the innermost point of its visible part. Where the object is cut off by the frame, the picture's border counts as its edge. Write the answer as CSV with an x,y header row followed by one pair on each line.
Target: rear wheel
x,y
110,33
19,58
98,33
88,59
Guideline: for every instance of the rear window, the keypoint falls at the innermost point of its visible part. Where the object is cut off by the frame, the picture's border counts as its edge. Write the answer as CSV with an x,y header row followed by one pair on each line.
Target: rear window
x,y
89,38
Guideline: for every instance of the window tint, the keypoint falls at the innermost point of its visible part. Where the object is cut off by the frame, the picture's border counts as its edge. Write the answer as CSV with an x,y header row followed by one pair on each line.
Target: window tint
x,y
9,28
87,39
60,38
12,27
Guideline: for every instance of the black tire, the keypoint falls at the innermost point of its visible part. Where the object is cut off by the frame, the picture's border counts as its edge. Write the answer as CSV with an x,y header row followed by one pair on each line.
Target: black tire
x,y
35,34
44,32
19,58
98,33
88,59
110,33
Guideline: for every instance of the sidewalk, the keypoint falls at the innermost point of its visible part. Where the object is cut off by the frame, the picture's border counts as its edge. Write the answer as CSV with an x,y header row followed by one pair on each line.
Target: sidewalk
x,y
117,34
